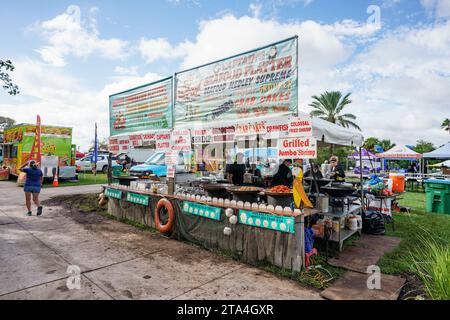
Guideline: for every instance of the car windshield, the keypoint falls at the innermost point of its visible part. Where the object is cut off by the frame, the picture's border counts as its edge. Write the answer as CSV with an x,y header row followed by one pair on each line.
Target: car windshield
x,y
156,159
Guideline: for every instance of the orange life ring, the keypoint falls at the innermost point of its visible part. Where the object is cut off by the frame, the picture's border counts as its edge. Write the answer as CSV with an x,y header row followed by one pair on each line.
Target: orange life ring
x,y
169,225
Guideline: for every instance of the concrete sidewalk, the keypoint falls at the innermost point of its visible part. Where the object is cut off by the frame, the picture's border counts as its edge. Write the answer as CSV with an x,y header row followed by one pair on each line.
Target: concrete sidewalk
x,y
117,261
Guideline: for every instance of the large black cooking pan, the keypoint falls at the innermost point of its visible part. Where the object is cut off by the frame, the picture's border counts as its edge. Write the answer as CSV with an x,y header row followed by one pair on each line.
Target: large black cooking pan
x,y
337,191
320,182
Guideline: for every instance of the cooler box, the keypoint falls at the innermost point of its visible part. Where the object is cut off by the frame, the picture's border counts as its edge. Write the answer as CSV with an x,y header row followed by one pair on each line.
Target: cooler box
x,y
437,196
398,182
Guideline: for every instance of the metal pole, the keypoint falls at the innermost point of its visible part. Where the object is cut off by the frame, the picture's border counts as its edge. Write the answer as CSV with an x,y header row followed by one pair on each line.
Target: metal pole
x,y
109,169
361,179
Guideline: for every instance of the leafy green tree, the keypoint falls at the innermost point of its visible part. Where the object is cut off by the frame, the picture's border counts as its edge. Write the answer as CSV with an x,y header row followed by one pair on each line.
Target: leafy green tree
x,y
424,146
386,144
4,77
446,125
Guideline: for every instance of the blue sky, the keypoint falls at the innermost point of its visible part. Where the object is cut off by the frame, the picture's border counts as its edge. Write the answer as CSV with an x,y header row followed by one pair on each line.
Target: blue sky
x,y
66,67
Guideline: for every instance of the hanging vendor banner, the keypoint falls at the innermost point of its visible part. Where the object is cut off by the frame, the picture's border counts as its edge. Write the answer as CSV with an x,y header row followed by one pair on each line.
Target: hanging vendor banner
x,y
297,148
147,107
159,141
246,129
300,126
180,140
201,136
249,86
170,171
224,134
267,221
201,210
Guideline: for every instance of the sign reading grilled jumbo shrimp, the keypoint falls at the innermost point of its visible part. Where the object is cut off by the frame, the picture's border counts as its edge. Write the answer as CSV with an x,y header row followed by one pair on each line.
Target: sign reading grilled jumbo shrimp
x,y
254,85
297,148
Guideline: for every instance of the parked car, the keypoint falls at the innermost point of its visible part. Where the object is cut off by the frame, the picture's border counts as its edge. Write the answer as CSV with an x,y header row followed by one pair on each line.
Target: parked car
x,y
156,165
85,164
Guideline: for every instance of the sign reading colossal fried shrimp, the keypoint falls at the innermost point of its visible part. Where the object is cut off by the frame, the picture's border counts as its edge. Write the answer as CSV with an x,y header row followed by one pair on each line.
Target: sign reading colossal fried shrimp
x,y
251,86
144,108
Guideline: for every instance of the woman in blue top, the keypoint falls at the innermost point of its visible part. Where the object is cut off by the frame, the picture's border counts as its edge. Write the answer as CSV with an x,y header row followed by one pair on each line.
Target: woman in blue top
x,y
33,185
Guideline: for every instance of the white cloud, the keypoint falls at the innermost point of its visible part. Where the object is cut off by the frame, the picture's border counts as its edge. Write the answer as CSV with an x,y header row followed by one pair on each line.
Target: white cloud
x,y
319,44
401,74
438,8
399,83
126,70
68,34
156,49
61,99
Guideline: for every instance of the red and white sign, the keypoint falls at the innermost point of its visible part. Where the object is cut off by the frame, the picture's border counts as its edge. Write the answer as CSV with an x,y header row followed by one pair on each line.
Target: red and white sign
x,y
160,139
171,158
276,129
202,136
251,128
170,172
224,134
181,140
297,148
300,126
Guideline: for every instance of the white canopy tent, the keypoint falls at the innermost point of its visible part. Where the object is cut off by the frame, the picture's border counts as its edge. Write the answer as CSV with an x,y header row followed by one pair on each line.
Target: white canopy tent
x,y
441,153
441,164
401,152
332,133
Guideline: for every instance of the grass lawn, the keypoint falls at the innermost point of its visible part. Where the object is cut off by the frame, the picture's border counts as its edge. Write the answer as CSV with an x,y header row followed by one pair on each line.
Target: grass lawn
x,y
83,179
411,228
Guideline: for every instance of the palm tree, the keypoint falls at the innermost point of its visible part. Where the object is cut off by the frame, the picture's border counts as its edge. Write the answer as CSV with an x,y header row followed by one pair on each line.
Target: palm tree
x,y
446,125
329,106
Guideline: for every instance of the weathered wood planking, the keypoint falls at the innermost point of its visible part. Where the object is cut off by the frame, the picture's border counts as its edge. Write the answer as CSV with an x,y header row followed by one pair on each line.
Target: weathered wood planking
x,y
251,244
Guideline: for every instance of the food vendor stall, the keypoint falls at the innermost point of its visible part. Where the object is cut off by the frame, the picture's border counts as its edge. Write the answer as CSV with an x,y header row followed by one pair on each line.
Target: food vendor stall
x,y
252,223
220,110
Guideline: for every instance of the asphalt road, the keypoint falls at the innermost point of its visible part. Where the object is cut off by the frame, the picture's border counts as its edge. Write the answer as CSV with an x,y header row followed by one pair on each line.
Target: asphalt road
x,y
57,256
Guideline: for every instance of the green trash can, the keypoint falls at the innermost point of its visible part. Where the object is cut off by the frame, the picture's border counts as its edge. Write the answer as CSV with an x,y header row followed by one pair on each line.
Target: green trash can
x,y
437,196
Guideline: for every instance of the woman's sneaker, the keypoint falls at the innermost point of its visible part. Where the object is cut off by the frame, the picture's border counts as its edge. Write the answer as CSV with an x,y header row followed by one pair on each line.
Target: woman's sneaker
x,y
39,210
29,213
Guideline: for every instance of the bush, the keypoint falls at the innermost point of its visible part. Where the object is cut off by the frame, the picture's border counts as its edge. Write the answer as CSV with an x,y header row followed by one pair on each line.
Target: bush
x,y
431,262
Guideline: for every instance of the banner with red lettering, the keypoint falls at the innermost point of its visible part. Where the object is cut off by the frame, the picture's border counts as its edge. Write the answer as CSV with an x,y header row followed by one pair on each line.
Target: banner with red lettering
x,y
297,148
255,85
159,140
144,108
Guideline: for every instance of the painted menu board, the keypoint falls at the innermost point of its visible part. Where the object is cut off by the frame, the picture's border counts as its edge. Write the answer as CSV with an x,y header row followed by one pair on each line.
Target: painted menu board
x,y
148,107
254,85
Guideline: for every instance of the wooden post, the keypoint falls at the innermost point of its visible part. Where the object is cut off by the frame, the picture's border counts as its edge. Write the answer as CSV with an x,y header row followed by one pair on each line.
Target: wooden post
x,y
171,186
299,254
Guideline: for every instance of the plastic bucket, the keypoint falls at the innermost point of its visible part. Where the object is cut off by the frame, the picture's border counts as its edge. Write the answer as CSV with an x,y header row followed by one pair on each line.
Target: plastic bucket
x,y
398,182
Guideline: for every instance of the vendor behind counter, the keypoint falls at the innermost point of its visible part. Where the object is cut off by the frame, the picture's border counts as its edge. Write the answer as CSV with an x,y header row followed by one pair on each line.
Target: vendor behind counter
x,y
337,171
235,172
284,175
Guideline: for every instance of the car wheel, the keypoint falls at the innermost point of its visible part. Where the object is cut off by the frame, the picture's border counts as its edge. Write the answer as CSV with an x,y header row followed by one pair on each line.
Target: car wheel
x,y
105,169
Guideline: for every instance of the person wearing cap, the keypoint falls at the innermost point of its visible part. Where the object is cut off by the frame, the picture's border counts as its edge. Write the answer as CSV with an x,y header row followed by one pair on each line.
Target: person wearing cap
x,y
337,172
33,184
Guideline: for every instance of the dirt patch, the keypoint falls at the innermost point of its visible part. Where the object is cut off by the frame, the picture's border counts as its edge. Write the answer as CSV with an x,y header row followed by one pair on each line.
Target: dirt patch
x,y
79,207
